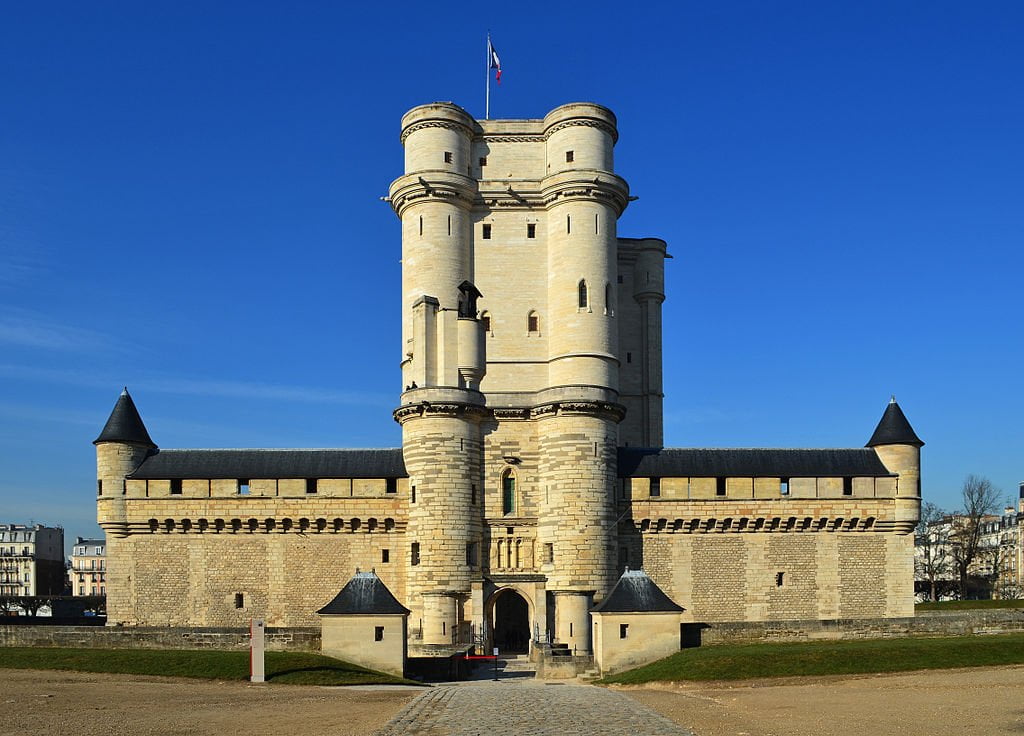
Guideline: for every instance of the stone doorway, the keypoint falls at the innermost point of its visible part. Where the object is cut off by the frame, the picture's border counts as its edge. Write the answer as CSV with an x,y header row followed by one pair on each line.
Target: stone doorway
x,y
511,619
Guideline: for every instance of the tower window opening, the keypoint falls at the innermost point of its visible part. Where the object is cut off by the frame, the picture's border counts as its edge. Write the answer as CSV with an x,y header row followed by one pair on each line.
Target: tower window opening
x,y
175,486
549,553
629,357
413,494
581,291
391,485
719,486
483,161
783,486
608,309
421,224
385,555
618,278
378,633
471,554
414,553
239,600
472,494
99,487
532,323
485,321
597,224
847,486
655,487
243,487
569,157
531,230
311,485
779,579
487,231
623,631
447,157
508,493
449,224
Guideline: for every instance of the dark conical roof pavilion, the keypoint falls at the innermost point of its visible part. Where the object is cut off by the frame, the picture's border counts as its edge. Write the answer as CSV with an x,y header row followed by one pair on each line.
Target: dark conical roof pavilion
x,y
894,429
365,593
125,424
636,593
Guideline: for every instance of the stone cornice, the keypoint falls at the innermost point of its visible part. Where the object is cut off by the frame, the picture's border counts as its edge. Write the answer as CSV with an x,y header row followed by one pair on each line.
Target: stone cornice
x,y
647,523
411,189
446,124
586,123
586,185
439,408
606,409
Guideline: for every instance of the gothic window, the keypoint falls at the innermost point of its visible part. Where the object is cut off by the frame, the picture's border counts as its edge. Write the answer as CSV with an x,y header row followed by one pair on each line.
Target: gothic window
x,y
581,290
532,323
508,492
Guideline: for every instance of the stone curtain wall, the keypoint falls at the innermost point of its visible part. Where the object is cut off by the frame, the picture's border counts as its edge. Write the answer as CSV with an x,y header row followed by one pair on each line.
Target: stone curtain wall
x,y
736,577
131,637
193,579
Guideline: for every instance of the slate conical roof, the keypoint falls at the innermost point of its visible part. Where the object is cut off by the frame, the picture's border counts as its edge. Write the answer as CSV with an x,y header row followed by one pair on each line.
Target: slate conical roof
x,y
636,593
125,424
894,429
365,593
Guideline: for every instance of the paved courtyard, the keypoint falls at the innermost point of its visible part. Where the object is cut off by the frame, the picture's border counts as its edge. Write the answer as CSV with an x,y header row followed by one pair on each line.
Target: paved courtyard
x,y
527,708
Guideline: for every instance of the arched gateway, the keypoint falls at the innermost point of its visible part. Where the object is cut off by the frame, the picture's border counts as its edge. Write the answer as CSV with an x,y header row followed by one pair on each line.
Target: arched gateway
x,y
510,621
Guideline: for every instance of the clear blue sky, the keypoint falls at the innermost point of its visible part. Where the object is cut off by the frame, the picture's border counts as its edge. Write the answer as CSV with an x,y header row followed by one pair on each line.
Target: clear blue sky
x,y
189,205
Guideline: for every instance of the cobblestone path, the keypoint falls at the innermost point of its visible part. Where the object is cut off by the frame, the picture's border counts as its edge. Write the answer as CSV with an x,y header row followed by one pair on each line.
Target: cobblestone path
x,y
527,709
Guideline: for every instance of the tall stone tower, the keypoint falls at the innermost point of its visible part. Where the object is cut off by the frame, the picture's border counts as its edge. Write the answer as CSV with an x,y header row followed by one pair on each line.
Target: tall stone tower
x,y
512,342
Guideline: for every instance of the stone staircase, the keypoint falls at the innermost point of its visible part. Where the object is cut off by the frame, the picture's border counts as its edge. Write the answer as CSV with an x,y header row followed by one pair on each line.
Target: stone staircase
x,y
516,665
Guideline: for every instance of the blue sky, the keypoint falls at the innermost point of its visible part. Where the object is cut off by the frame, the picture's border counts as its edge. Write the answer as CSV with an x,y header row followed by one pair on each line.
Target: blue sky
x,y
189,205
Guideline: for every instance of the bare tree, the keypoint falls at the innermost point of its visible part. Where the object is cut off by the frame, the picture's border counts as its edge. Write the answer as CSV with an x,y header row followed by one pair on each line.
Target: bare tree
x,y
980,499
933,561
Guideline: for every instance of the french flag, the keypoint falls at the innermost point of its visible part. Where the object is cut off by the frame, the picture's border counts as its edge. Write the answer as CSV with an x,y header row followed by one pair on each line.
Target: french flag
x,y
493,62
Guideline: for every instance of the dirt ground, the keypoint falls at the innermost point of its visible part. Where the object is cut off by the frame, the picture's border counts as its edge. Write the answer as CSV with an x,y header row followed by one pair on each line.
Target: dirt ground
x,y
82,704
975,701
967,701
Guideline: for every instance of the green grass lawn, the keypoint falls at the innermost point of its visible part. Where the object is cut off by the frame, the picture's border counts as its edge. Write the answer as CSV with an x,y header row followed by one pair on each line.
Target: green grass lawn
x,y
738,662
292,668
967,605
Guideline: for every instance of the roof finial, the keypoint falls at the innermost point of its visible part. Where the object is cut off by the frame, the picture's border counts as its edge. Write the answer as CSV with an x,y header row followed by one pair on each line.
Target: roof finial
x,y
124,391
892,399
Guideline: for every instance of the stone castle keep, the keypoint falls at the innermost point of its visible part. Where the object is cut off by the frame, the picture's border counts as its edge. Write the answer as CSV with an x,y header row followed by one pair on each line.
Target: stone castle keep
x,y
531,473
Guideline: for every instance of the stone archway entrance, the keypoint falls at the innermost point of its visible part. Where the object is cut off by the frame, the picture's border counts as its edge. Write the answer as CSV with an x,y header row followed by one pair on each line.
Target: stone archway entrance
x,y
510,616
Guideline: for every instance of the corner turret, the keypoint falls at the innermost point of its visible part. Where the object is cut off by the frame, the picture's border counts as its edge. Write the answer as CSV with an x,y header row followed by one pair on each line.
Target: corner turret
x,y
899,449
121,447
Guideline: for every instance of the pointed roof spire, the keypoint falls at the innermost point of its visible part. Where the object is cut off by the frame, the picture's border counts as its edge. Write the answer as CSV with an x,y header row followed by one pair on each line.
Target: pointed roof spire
x,y
636,592
894,429
364,593
125,424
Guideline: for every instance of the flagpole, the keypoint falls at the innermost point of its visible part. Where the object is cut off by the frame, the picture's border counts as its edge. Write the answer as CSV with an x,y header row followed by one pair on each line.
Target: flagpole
x,y
487,74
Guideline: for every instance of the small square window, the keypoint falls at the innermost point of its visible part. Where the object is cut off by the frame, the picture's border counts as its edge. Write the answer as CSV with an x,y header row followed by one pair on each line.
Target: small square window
x,y
847,486
311,485
569,157
487,231
378,633
655,487
783,486
385,555
175,486
447,157
243,487
391,485
719,486
531,230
